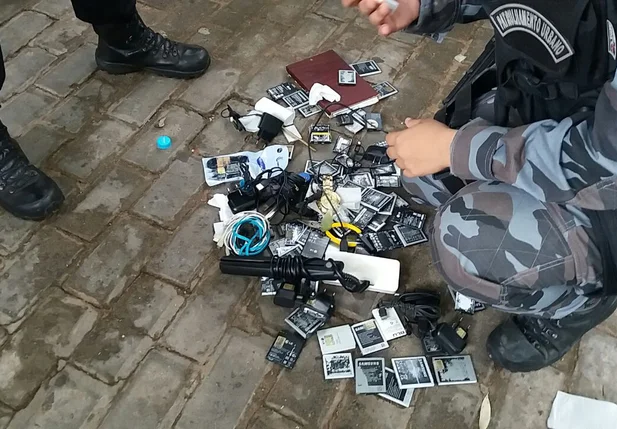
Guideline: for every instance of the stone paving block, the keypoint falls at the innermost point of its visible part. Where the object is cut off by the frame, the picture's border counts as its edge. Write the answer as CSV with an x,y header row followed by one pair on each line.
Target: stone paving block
x,y
390,56
180,125
54,8
435,60
223,394
40,142
216,38
53,331
6,414
448,406
268,76
312,32
370,411
149,304
115,262
306,398
534,393
24,69
70,400
610,325
181,258
15,231
263,310
19,113
198,328
415,94
149,401
267,419
41,263
114,193
166,201
255,43
286,13
20,30
70,72
334,9
64,36
351,42
82,157
220,137
145,99
112,350
77,110
206,92
593,376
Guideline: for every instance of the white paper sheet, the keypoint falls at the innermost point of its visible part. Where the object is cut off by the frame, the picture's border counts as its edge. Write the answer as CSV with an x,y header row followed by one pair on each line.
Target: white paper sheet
x,y
577,412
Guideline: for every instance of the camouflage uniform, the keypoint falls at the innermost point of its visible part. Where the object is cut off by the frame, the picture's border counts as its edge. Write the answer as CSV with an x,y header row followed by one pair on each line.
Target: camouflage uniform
x,y
517,238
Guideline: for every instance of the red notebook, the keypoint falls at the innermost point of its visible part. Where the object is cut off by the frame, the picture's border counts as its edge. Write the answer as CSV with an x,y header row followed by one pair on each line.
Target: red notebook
x,y
323,68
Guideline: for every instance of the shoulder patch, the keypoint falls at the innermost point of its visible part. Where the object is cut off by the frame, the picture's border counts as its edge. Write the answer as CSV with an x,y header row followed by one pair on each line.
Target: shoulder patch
x,y
513,17
612,43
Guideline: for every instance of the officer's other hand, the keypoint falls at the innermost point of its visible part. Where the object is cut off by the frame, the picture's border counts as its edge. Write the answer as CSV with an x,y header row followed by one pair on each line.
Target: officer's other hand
x,y
380,15
421,149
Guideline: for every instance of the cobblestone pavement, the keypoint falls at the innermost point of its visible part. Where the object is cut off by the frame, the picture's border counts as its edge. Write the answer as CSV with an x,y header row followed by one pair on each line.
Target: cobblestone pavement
x,y
113,312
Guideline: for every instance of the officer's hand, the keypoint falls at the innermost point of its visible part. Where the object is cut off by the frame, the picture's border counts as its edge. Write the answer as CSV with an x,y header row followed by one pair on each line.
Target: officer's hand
x,y
421,149
379,13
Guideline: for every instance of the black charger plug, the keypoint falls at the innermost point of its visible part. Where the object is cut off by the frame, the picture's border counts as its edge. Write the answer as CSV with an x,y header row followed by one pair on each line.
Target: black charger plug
x,y
451,338
269,127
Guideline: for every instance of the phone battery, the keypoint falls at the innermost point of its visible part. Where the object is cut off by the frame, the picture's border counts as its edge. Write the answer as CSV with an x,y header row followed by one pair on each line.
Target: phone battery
x,y
286,349
409,218
409,235
321,134
384,241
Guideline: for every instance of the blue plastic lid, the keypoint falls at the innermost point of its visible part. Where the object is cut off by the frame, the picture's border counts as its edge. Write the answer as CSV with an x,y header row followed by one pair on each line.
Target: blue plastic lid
x,y
163,142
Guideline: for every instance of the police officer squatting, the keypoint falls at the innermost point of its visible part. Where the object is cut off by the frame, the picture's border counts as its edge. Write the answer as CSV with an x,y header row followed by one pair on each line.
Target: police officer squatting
x,y
521,164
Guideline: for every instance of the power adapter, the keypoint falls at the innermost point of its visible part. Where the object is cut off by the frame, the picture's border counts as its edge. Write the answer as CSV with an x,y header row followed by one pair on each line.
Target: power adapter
x,y
269,127
452,339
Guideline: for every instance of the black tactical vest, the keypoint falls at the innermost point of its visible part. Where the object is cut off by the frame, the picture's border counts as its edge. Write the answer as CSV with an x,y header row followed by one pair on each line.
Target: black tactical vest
x,y
552,56
549,59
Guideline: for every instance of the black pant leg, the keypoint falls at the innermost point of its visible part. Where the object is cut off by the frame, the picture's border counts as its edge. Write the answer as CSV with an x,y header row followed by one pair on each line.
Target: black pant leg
x,y
101,12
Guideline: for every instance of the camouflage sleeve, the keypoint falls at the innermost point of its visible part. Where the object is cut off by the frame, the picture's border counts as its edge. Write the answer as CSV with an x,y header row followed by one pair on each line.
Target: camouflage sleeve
x,y
439,16
562,162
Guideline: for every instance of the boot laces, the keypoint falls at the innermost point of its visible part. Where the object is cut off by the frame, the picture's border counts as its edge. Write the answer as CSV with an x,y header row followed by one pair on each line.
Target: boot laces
x,y
156,42
16,172
541,333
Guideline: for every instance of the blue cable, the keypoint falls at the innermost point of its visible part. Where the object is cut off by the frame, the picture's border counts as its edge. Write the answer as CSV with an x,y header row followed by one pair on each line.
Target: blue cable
x,y
254,245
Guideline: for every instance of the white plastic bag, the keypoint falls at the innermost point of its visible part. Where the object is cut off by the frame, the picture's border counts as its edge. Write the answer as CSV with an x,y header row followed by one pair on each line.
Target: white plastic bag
x,y
232,168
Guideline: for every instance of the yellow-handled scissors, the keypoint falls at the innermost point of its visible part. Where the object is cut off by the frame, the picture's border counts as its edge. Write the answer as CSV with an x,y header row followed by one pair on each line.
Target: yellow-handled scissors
x,y
336,239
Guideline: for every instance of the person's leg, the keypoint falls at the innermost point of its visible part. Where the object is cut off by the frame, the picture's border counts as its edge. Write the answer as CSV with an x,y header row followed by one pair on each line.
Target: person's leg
x,y
497,244
127,45
25,191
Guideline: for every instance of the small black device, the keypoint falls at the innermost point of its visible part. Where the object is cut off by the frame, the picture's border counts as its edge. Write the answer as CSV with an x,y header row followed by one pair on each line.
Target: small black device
x,y
451,338
269,127
345,119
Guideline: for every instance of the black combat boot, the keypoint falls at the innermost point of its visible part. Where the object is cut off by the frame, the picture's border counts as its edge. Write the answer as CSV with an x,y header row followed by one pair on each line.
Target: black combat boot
x,y
25,191
525,344
132,46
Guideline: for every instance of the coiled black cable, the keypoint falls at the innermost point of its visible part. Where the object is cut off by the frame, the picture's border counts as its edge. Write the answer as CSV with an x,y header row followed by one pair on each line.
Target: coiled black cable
x,y
293,269
420,310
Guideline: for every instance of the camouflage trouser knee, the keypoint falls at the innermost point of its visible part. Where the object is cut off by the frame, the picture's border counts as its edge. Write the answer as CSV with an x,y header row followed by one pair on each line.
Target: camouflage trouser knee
x,y
499,245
